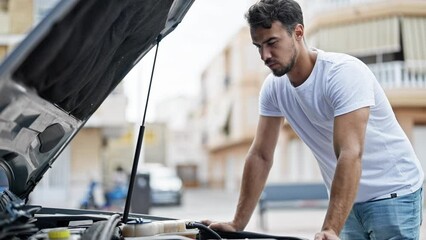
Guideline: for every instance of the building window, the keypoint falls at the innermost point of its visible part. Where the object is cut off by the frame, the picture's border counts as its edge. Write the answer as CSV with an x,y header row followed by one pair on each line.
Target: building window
x,y
226,129
4,6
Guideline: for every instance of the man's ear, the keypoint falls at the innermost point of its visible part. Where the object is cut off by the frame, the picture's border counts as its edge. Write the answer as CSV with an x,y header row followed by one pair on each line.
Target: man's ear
x,y
299,31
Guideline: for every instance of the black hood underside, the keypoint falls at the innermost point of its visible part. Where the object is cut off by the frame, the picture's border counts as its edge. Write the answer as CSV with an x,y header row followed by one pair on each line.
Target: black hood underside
x,y
58,76
90,50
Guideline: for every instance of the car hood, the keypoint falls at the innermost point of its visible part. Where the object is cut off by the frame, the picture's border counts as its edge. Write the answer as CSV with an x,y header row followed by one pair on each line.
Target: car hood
x,y
63,70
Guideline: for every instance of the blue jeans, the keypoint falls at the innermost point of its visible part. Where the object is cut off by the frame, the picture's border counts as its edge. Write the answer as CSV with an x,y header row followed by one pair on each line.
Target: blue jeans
x,y
391,218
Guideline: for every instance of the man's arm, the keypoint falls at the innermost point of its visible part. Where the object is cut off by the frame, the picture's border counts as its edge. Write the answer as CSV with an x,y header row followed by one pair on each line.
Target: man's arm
x,y
256,169
349,134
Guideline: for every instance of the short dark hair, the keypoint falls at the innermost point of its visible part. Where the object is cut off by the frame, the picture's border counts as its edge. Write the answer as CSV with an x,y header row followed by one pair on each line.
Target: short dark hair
x,y
264,12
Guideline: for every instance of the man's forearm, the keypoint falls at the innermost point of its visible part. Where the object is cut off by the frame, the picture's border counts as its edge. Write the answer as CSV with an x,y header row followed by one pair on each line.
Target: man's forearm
x,y
255,173
343,193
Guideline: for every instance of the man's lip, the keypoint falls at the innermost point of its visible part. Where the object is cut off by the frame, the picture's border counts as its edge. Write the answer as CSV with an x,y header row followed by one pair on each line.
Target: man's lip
x,y
271,64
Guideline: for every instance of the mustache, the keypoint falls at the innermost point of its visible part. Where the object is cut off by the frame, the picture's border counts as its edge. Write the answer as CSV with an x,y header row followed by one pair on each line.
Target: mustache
x,y
269,61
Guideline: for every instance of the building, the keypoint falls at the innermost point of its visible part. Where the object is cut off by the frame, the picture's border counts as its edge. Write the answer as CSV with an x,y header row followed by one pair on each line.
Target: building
x,y
91,155
181,144
389,36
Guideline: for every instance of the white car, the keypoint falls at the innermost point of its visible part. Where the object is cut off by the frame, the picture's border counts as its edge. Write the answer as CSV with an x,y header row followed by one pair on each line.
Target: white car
x,y
166,186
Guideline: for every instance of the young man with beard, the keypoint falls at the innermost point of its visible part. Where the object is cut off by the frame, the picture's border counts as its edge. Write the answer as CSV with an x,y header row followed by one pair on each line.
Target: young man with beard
x,y
336,106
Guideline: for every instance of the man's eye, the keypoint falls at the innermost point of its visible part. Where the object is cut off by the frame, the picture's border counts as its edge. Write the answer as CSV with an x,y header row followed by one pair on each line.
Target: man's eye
x,y
272,43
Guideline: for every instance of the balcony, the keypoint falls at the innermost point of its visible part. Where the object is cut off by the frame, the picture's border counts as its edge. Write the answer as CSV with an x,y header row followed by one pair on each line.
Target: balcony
x,y
404,84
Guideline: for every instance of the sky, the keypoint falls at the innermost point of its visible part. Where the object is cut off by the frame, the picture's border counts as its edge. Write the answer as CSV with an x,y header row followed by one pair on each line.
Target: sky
x,y
183,55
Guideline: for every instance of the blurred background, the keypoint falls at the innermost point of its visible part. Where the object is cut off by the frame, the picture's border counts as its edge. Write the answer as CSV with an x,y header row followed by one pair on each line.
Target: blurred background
x,y
203,109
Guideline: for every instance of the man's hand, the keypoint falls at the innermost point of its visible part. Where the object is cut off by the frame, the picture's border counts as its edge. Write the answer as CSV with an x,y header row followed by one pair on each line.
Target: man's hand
x,y
326,235
220,226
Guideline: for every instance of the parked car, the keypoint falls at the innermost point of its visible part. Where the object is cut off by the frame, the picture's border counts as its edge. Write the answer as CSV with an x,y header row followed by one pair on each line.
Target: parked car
x,y
50,85
166,186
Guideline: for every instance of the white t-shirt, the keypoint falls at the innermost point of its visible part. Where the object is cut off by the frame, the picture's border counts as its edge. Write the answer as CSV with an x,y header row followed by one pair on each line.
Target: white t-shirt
x,y
337,85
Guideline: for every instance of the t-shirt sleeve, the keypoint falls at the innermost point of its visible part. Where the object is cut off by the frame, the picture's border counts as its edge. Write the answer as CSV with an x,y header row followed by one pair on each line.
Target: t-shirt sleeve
x,y
350,87
268,101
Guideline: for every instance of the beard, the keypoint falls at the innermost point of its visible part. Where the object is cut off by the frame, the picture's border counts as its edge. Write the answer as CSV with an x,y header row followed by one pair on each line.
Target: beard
x,y
287,68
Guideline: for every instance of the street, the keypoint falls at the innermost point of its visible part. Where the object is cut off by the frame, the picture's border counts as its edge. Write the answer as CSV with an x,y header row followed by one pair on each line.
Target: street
x,y
219,205
199,204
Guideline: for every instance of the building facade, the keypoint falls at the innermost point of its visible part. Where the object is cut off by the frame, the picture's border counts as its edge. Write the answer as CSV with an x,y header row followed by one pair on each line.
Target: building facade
x,y
175,136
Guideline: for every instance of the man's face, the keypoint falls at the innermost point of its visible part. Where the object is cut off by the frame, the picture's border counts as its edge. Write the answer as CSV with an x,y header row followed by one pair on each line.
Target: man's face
x,y
276,47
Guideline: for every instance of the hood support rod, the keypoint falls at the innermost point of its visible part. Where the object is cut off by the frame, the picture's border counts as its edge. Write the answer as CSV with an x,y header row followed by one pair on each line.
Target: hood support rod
x,y
139,143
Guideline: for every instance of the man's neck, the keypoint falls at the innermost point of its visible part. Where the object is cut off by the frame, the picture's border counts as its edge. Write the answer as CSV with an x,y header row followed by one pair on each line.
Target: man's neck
x,y
303,67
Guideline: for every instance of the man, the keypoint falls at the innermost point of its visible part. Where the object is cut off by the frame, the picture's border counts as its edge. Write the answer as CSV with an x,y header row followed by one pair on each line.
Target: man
x,y
337,107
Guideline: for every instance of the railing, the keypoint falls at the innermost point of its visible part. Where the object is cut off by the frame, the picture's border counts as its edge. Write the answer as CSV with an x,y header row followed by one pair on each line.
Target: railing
x,y
399,75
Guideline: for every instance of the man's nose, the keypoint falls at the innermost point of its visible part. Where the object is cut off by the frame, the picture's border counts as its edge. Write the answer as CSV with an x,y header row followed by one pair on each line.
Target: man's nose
x,y
264,53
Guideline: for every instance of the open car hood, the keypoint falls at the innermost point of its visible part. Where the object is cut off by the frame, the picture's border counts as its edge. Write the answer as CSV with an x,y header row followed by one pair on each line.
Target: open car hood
x,y
63,70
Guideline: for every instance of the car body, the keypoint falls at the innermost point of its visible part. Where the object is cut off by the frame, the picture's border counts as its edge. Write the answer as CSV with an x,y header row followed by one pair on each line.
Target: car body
x,y
50,85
